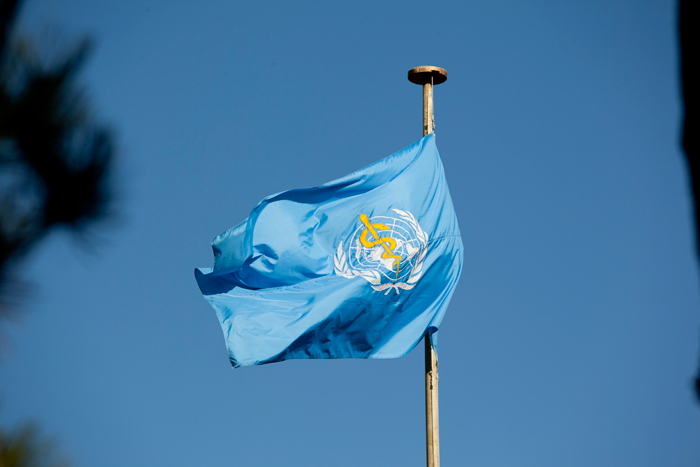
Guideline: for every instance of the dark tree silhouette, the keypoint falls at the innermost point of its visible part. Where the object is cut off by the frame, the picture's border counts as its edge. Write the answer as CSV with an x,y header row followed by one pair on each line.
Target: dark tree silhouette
x,y
55,163
55,167
687,27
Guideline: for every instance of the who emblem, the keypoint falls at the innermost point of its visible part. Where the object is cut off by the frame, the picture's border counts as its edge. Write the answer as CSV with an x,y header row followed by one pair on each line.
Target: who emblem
x,y
386,251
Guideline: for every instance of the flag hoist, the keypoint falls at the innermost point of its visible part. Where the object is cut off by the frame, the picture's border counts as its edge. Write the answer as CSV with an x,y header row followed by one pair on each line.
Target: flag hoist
x,y
429,76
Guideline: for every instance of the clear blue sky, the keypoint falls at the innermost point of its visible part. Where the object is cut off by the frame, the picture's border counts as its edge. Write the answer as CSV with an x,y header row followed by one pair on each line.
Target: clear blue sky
x,y
573,335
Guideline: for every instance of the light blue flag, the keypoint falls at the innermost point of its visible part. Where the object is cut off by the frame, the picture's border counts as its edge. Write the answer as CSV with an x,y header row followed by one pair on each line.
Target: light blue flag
x,y
361,267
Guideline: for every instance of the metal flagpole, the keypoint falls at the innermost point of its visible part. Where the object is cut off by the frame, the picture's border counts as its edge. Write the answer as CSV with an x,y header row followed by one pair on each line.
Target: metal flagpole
x,y
428,76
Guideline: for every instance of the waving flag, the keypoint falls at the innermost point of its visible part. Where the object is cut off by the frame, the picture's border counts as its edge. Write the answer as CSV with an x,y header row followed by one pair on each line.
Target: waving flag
x,y
361,267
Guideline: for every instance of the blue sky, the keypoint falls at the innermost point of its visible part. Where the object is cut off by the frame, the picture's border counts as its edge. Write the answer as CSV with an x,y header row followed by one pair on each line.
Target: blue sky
x,y
573,335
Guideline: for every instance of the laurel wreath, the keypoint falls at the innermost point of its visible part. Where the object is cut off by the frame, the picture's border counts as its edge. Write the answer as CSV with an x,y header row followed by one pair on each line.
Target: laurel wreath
x,y
343,268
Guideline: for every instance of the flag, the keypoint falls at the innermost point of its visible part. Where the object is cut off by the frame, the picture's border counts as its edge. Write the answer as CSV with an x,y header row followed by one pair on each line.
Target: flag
x,y
361,267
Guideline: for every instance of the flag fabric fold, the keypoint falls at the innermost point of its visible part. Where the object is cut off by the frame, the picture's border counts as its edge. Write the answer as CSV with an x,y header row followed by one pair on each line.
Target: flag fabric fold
x,y
361,267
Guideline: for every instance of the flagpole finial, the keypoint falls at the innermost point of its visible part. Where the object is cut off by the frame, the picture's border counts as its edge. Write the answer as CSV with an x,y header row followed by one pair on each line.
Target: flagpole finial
x,y
422,74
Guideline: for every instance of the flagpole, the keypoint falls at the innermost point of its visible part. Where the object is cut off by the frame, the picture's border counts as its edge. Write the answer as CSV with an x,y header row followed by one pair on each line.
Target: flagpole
x,y
428,76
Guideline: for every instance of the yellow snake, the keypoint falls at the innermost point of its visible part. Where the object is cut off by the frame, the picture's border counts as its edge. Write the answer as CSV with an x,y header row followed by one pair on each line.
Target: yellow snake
x,y
387,242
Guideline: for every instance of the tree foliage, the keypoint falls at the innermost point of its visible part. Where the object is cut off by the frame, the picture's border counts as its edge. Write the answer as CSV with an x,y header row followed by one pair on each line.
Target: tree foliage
x,y
55,162
55,170
25,447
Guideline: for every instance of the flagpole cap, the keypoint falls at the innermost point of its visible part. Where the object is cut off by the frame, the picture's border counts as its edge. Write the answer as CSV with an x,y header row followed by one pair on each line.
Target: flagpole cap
x,y
422,74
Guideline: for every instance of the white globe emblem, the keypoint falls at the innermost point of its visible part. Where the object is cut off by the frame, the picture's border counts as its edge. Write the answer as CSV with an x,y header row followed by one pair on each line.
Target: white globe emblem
x,y
386,251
